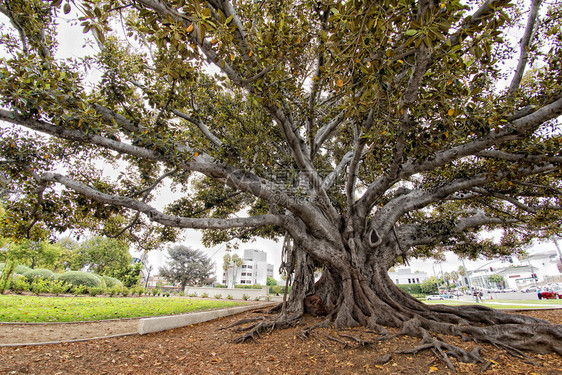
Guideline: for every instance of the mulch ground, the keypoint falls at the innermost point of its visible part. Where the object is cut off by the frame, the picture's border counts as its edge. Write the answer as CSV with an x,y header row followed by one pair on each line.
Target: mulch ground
x,y
206,349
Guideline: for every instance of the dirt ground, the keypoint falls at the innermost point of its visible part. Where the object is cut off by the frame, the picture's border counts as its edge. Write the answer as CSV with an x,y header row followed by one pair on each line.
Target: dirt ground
x,y
206,349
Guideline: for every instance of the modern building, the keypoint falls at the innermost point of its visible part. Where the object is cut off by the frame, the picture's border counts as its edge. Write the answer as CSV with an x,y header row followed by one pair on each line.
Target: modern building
x,y
406,276
254,270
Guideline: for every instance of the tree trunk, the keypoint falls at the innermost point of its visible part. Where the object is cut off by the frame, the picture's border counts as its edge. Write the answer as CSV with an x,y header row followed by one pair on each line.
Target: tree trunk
x,y
356,290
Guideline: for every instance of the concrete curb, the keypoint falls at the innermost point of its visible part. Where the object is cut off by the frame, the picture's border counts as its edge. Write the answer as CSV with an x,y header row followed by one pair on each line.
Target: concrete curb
x,y
163,323
67,341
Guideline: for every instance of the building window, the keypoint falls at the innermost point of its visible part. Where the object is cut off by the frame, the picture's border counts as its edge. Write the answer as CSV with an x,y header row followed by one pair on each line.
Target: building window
x,y
418,280
397,281
409,281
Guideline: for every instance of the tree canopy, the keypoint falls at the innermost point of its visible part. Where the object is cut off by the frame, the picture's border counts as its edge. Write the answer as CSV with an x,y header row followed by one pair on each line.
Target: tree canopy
x,y
365,133
187,266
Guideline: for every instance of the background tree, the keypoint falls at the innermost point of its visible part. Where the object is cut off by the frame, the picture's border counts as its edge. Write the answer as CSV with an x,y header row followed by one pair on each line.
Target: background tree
x,y
497,281
365,133
186,266
102,255
129,275
429,286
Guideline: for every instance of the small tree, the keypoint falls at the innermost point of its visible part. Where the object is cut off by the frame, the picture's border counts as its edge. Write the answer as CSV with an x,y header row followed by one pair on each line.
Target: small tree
x,y
271,281
429,286
188,266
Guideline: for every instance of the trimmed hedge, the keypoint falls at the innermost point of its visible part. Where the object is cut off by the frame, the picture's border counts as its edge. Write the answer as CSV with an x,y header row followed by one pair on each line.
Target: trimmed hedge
x,y
77,278
112,282
411,288
20,270
101,279
39,273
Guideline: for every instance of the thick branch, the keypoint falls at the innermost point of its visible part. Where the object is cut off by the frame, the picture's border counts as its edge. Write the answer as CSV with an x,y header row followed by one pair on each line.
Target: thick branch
x,y
158,216
77,135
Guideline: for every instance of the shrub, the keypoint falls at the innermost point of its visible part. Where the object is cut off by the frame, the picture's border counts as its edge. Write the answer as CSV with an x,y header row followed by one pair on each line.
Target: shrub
x,y
194,294
245,297
125,292
182,293
39,273
114,291
167,294
40,285
253,286
229,297
218,296
111,282
79,289
204,295
95,291
19,284
268,298
155,291
78,278
257,298
220,286
57,287
20,270
101,279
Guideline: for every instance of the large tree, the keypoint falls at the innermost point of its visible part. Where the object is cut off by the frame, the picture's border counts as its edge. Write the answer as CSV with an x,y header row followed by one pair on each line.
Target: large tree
x,y
187,266
365,133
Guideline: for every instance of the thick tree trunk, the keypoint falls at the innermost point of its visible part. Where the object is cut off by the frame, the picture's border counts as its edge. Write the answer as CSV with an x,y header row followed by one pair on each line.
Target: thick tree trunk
x,y
356,290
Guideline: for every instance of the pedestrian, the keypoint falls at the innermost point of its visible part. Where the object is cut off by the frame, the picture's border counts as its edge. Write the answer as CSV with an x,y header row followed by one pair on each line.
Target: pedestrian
x,y
539,294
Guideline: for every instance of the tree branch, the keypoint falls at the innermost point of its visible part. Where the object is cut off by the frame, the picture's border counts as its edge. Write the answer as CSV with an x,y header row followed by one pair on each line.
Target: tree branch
x,y
159,217
526,42
77,135
197,122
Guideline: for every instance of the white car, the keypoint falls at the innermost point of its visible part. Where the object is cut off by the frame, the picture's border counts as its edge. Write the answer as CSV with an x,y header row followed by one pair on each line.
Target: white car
x,y
433,297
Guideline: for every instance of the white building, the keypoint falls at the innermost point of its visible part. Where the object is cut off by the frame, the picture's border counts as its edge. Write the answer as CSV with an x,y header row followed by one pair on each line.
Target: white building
x,y
254,270
406,276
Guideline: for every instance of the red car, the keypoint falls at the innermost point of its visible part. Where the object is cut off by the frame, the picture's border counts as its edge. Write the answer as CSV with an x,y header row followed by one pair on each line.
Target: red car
x,y
555,293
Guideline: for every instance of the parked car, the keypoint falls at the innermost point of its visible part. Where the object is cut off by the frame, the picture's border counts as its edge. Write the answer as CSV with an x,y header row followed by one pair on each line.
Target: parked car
x,y
530,289
554,293
433,297
446,295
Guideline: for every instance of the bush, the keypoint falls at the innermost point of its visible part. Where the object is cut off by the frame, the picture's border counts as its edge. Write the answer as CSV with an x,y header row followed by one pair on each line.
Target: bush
x,y
254,286
79,289
220,286
155,291
19,284
194,294
57,287
39,273
204,295
111,282
182,293
218,296
20,270
411,288
78,278
229,297
114,291
245,297
125,292
101,279
40,285
95,291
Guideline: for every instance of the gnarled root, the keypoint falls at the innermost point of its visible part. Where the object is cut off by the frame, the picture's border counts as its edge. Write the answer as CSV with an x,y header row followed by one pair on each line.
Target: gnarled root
x,y
256,326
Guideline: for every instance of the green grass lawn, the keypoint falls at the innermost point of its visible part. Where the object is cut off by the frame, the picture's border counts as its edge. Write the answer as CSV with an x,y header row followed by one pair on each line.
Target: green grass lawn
x,y
68,309
504,303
